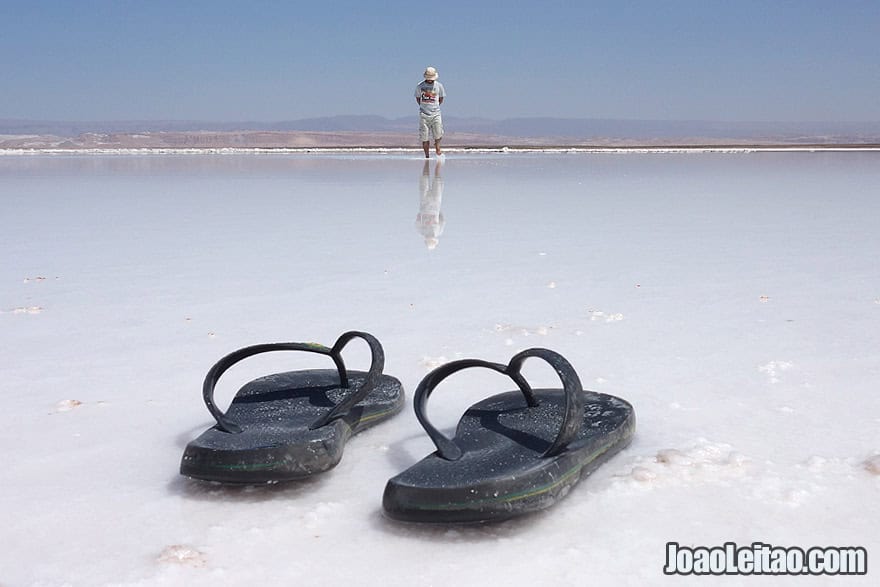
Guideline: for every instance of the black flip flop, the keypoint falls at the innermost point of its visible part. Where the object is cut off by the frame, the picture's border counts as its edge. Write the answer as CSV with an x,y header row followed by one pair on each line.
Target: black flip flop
x,y
509,456
290,425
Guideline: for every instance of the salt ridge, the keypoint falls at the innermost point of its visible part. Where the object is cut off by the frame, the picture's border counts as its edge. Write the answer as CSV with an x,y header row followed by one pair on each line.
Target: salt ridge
x,y
406,150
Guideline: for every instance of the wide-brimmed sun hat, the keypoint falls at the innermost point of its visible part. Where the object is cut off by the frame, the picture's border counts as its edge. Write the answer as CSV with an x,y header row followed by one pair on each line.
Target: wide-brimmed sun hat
x,y
430,73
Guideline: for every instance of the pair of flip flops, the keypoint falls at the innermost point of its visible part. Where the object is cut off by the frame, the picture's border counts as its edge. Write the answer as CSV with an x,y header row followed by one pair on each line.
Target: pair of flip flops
x,y
512,453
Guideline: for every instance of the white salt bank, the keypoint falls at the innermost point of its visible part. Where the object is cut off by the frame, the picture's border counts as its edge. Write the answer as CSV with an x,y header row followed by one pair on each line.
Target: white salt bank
x,y
730,297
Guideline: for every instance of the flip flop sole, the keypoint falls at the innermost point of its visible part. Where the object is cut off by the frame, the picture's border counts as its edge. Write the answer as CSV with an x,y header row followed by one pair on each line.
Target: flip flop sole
x,y
501,474
276,442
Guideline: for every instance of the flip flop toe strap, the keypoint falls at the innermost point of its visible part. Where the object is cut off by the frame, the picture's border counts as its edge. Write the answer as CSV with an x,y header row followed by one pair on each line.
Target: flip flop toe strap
x,y
377,365
571,384
574,395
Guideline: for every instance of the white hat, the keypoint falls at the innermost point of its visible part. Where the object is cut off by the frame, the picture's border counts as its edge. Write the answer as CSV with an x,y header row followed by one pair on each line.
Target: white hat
x,y
430,73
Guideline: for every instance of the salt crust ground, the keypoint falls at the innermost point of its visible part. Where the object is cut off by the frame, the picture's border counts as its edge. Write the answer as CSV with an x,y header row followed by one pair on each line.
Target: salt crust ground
x,y
734,299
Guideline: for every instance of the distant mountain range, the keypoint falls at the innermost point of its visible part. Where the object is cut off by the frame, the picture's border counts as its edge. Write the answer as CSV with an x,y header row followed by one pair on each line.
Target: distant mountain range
x,y
380,131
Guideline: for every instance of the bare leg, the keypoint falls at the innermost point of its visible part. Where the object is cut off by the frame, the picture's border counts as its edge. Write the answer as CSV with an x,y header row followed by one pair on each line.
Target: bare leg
x,y
437,146
425,145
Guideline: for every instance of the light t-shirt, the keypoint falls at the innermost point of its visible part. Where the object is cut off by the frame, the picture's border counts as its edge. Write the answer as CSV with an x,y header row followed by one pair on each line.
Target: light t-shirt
x,y
429,97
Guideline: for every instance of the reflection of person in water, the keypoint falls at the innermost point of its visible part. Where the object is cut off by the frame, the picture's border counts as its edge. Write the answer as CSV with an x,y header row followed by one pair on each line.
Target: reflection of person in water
x,y
429,220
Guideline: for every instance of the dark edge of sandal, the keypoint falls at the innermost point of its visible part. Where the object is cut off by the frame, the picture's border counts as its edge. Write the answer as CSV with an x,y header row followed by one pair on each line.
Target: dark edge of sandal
x,y
512,453
290,425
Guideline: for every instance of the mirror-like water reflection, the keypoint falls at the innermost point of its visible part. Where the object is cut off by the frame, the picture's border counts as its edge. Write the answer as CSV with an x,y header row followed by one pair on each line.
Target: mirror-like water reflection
x,y
429,220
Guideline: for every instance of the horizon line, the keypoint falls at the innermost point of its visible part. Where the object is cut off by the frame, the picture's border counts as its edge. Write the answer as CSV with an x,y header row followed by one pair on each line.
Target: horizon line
x,y
459,117
561,149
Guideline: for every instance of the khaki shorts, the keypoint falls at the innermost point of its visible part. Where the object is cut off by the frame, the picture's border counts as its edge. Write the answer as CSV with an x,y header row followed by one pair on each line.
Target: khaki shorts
x,y
430,125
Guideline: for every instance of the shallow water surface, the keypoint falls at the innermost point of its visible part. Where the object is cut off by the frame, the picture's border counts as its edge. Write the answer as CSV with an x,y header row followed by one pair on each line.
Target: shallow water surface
x,y
733,299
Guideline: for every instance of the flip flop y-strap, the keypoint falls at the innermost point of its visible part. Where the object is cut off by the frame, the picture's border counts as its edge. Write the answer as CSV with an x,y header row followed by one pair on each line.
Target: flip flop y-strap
x,y
377,365
571,384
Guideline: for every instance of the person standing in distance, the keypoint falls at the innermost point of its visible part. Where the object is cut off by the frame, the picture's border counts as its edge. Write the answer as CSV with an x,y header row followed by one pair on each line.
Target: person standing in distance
x,y
429,95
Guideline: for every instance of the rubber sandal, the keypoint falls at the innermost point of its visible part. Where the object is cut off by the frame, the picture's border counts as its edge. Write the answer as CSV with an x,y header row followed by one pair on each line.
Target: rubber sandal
x,y
509,456
290,425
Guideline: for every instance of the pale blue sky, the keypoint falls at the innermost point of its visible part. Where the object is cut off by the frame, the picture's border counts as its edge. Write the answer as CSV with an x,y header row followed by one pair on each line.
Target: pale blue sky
x,y
262,60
